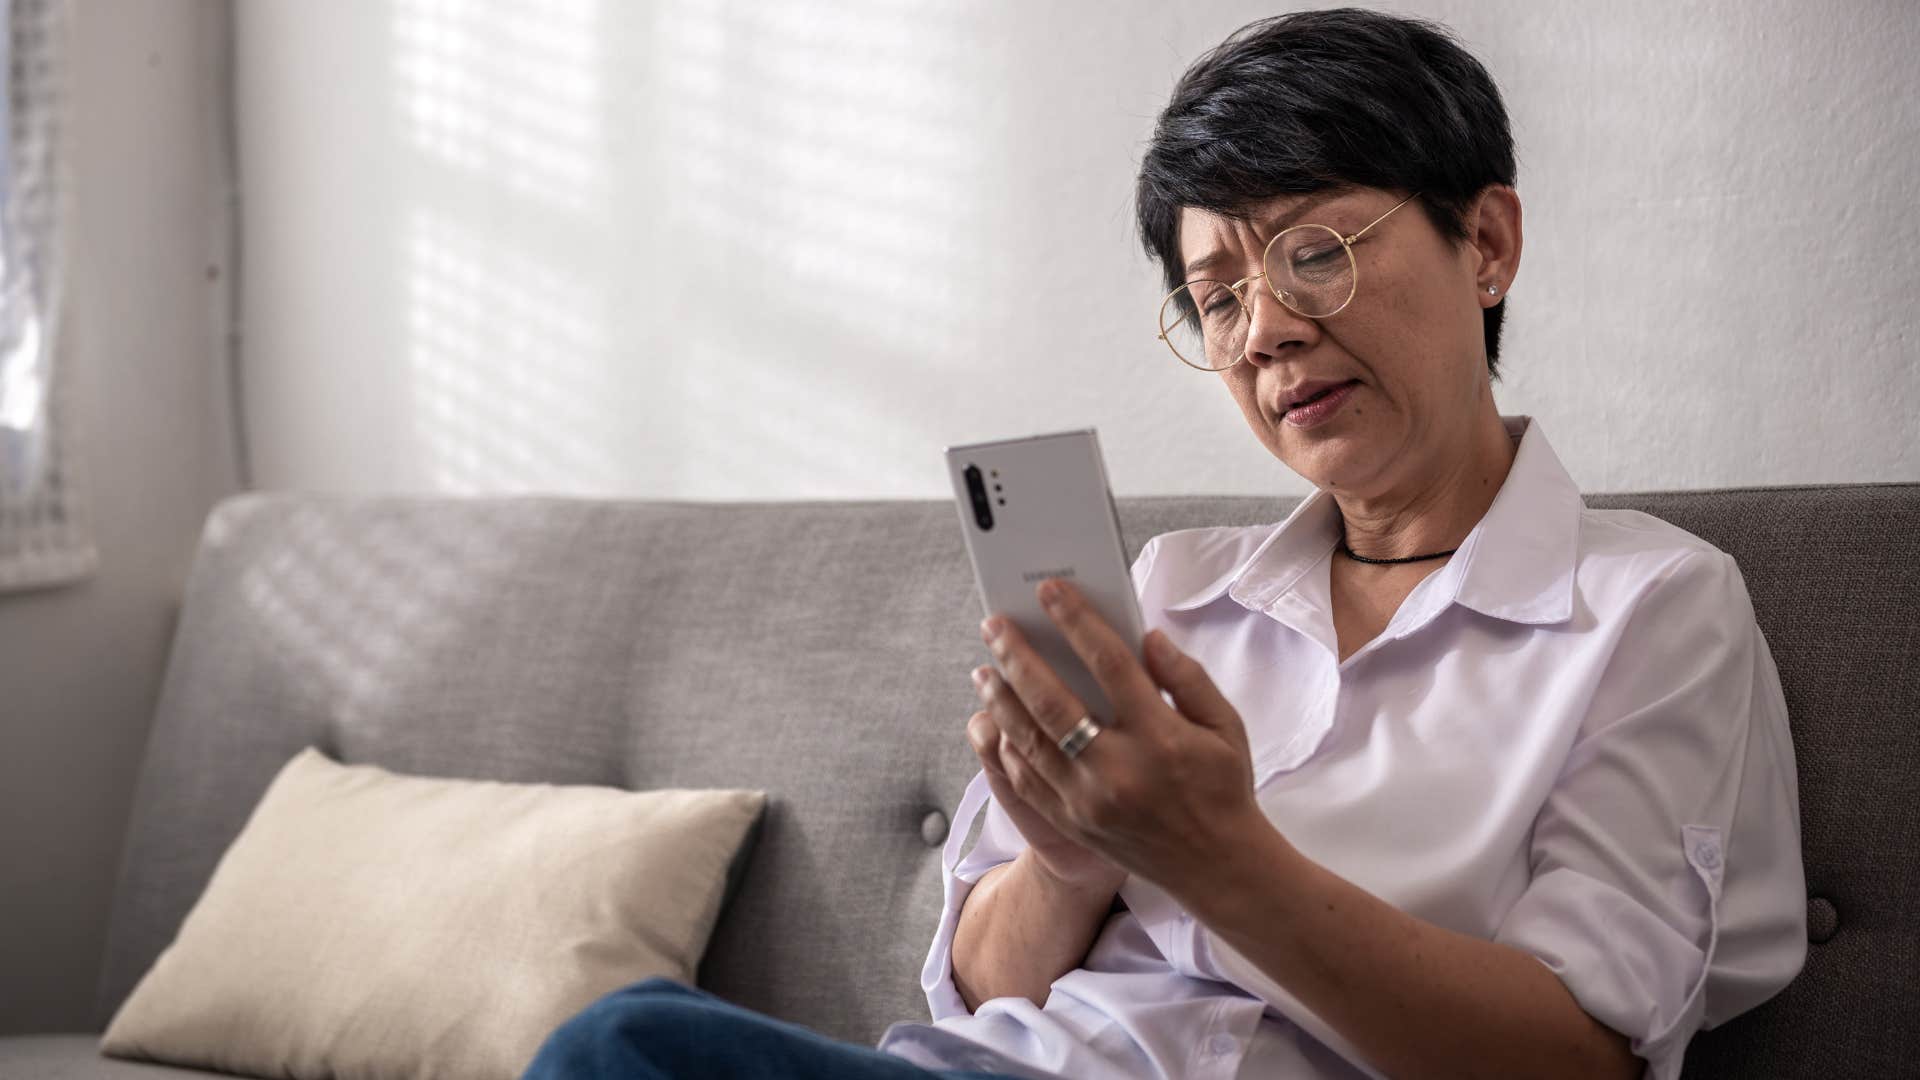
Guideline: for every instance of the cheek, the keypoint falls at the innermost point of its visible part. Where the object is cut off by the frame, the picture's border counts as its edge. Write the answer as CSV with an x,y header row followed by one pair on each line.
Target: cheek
x,y
1402,343
1428,318
1231,379
1239,383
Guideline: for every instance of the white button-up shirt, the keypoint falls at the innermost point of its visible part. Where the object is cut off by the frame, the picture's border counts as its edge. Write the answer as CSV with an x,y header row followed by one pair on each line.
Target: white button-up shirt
x,y
1570,739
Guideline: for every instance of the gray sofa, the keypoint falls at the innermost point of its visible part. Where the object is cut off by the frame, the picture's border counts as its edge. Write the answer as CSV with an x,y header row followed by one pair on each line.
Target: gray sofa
x,y
820,650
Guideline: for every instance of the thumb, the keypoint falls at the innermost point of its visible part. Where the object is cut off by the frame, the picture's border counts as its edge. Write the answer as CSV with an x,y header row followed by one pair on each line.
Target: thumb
x,y
1194,693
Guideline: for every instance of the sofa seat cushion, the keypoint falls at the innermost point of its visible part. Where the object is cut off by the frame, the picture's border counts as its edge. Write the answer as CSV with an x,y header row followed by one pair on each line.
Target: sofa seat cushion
x,y
75,1057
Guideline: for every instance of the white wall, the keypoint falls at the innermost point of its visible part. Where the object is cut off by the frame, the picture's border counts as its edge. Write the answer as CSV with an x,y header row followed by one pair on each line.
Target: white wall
x,y
146,333
692,248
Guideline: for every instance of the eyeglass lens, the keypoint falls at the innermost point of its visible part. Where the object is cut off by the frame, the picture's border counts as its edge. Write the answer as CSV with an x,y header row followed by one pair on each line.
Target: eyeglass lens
x,y
1307,267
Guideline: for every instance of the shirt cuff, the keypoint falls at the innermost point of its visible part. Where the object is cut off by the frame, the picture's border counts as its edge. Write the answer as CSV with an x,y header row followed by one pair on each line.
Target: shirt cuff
x,y
936,976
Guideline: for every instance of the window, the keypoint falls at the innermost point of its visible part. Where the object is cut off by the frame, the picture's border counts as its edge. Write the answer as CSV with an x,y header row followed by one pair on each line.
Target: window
x,y
44,537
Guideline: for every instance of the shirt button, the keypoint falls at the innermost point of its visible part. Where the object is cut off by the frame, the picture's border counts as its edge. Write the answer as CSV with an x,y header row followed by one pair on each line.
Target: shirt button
x,y
1708,854
1222,1045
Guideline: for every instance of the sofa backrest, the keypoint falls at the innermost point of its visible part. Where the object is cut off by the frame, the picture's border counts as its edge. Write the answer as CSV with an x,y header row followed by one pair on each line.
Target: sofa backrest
x,y
820,650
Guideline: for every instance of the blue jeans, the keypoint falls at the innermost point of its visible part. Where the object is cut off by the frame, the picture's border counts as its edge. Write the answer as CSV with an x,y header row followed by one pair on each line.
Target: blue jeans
x,y
663,1030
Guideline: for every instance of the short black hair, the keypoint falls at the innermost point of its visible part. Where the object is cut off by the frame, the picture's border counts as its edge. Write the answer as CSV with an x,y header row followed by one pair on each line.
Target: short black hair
x,y
1311,100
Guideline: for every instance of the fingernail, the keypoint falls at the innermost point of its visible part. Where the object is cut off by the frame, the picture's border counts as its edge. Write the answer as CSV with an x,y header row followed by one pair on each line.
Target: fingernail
x,y
990,627
1050,593
980,676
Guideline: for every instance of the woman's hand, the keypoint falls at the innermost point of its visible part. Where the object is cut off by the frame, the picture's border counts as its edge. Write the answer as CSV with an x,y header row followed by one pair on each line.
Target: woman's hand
x,y
1165,791
1069,862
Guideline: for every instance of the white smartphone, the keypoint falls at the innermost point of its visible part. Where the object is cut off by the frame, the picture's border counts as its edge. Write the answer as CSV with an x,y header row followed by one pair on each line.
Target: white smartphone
x,y
1038,507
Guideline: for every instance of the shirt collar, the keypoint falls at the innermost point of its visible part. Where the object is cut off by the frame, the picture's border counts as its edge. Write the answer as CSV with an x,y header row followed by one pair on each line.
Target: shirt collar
x,y
1517,563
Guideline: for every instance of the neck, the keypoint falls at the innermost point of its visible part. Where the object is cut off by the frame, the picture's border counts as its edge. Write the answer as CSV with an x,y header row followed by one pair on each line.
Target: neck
x,y
1435,509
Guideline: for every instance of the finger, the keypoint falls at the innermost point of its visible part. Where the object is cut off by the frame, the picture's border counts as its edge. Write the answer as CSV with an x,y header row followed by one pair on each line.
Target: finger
x,y
1048,702
1034,788
1022,736
1193,690
984,736
1108,657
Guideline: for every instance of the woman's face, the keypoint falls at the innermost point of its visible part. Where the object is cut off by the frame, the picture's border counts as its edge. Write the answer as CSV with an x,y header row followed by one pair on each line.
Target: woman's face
x,y
1411,339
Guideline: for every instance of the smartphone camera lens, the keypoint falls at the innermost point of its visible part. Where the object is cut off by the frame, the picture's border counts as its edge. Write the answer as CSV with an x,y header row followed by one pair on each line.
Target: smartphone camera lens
x,y
977,492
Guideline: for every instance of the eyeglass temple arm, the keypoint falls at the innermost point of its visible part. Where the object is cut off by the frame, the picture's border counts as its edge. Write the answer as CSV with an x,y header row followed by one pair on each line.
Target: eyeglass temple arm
x,y
1382,217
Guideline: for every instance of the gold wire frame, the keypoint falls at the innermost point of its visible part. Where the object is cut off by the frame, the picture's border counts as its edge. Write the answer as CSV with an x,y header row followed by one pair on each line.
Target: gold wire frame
x,y
1353,285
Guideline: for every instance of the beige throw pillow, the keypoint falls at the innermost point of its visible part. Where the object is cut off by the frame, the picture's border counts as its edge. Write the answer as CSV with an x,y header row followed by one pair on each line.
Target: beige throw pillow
x,y
366,924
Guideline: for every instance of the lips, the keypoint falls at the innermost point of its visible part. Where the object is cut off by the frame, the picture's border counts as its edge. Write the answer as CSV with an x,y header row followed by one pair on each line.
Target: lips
x,y
1321,406
1310,391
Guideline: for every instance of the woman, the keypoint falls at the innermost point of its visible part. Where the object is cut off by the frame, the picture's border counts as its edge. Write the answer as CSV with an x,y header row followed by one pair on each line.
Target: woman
x,y
1443,773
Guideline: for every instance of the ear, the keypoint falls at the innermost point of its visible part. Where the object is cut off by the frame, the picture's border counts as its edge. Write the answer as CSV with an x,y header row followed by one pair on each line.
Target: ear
x,y
1493,231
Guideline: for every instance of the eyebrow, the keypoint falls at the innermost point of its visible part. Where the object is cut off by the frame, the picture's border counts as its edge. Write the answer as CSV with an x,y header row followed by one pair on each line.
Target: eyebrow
x,y
1272,224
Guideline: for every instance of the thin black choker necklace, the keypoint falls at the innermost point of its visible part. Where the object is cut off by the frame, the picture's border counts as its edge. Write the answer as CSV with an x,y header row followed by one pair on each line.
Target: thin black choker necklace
x,y
1348,552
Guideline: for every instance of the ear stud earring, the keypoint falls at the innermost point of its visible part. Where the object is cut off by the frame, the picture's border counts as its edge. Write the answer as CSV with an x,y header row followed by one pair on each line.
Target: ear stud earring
x,y
1491,289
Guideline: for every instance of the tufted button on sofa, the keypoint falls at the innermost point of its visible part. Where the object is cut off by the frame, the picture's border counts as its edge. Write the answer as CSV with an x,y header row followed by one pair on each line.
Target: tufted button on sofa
x,y
1822,920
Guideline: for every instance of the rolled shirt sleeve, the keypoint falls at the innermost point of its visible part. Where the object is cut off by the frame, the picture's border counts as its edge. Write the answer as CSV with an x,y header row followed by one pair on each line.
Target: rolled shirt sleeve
x,y
1667,890
1000,842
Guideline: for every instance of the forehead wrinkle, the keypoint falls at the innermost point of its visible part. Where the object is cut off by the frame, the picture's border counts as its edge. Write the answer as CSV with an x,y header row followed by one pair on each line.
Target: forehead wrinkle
x,y
1276,220
1223,243
1263,225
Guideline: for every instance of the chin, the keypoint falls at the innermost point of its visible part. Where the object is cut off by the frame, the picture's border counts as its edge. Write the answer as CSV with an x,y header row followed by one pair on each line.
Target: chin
x,y
1327,460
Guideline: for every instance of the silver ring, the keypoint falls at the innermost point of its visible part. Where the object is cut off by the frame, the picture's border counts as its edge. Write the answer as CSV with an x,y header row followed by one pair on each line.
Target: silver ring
x,y
1076,740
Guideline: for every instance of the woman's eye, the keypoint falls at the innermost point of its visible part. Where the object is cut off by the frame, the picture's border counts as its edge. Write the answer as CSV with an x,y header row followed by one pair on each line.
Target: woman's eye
x,y
1221,310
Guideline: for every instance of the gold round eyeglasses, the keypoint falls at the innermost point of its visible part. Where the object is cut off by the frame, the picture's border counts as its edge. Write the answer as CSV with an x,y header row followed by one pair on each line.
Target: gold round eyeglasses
x,y
1309,268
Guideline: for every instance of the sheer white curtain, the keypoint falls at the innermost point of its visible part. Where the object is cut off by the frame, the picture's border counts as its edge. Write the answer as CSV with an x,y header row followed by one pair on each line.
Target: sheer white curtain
x,y
44,535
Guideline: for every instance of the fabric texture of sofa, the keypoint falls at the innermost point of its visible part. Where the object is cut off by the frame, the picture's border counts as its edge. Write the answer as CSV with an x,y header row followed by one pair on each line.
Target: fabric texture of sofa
x,y
819,651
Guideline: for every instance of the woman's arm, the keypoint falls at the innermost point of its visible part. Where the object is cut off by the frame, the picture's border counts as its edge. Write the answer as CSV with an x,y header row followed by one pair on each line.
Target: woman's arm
x,y
1414,998
1021,928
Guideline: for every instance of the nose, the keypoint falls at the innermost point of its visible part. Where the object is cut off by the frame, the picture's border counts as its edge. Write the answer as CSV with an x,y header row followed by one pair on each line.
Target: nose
x,y
1273,326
